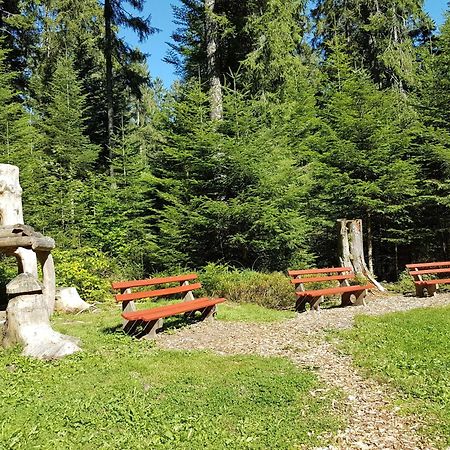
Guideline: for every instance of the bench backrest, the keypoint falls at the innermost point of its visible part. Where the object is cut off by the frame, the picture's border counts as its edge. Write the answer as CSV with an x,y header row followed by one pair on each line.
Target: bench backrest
x,y
184,287
303,276
416,270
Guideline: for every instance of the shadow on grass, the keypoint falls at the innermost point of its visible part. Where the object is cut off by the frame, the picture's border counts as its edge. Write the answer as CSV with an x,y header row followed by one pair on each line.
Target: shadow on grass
x,y
170,324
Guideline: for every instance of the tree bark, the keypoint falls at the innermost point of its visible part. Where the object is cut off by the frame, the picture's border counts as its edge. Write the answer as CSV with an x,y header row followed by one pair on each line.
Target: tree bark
x,y
11,212
108,13
370,244
352,249
215,87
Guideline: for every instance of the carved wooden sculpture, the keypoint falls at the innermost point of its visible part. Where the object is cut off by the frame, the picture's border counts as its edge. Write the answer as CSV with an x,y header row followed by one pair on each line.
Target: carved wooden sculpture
x,y
28,312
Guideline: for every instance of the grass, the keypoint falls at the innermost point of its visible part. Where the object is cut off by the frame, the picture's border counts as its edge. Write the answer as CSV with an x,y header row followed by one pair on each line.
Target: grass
x,y
249,312
410,350
122,393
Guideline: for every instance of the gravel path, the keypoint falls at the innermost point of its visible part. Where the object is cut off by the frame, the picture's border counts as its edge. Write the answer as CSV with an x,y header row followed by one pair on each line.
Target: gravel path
x,y
373,423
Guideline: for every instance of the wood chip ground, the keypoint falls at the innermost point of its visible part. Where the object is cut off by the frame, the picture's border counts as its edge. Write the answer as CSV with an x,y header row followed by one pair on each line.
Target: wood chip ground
x,y
373,422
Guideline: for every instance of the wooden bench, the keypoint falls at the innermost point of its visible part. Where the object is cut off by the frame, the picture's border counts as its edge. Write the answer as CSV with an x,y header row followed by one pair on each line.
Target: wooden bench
x,y
144,323
420,270
315,296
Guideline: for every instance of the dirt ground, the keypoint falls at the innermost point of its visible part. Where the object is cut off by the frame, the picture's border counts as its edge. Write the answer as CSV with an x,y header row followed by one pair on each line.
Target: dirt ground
x,y
373,421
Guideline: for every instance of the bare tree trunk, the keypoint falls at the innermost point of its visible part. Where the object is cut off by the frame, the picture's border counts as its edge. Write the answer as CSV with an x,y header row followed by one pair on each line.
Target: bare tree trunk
x,y
215,87
352,249
370,244
107,13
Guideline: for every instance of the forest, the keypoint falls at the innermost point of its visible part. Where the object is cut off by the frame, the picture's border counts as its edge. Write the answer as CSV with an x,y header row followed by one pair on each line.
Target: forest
x,y
287,116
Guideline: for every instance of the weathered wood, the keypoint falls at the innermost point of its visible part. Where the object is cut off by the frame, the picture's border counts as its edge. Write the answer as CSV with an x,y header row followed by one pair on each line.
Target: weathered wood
x,y
157,292
152,281
351,246
10,195
28,324
26,260
68,300
48,279
44,243
18,230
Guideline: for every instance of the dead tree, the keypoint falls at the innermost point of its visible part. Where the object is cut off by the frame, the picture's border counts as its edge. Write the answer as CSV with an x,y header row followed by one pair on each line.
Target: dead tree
x,y
351,245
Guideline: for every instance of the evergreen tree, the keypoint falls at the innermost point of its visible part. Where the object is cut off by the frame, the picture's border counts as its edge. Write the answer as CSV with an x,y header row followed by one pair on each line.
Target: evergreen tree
x,y
379,35
63,126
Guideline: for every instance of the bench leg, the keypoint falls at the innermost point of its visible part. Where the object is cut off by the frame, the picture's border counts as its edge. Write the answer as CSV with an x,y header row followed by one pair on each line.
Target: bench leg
x,y
127,307
209,313
314,303
420,291
129,326
359,298
300,305
150,328
431,290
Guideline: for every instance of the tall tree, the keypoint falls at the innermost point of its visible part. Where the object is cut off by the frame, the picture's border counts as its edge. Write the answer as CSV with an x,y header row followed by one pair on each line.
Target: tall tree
x,y
215,87
379,35
115,15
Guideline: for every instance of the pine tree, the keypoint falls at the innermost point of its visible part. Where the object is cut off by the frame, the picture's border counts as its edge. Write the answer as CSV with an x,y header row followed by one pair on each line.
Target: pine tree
x,y
379,35
63,125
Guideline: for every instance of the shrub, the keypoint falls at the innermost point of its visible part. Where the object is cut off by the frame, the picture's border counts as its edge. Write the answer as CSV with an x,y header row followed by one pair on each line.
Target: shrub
x,y
404,285
272,290
87,269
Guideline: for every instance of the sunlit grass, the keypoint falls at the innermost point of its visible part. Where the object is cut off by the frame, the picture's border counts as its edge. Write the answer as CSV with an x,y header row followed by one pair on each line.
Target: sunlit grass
x,y
410,350
124,393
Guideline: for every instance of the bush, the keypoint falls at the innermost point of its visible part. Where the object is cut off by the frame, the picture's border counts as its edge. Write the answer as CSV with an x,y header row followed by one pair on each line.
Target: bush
x,y
87,269
272,290
404,285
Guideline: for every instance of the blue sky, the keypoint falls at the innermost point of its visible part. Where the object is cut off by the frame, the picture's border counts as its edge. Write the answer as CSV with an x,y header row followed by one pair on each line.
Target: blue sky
x,y
162,18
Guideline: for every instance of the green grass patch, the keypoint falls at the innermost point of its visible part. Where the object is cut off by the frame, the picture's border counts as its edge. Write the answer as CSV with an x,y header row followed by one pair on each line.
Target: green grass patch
x,y
123,393
249,312
410,350
228,311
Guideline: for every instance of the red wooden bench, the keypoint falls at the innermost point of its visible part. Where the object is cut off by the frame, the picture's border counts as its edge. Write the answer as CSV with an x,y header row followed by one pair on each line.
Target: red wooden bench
x,y
315,296
419,271
145,322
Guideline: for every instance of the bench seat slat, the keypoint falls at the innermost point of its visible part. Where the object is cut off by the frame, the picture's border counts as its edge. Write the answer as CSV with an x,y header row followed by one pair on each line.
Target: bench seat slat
x,y
431,264
429,271
153,281
320,279
436,281
161,312
335,290
294,273
157,292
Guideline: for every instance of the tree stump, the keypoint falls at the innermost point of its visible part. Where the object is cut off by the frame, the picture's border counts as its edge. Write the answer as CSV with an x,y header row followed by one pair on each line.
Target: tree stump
x,y
351,245
27,322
